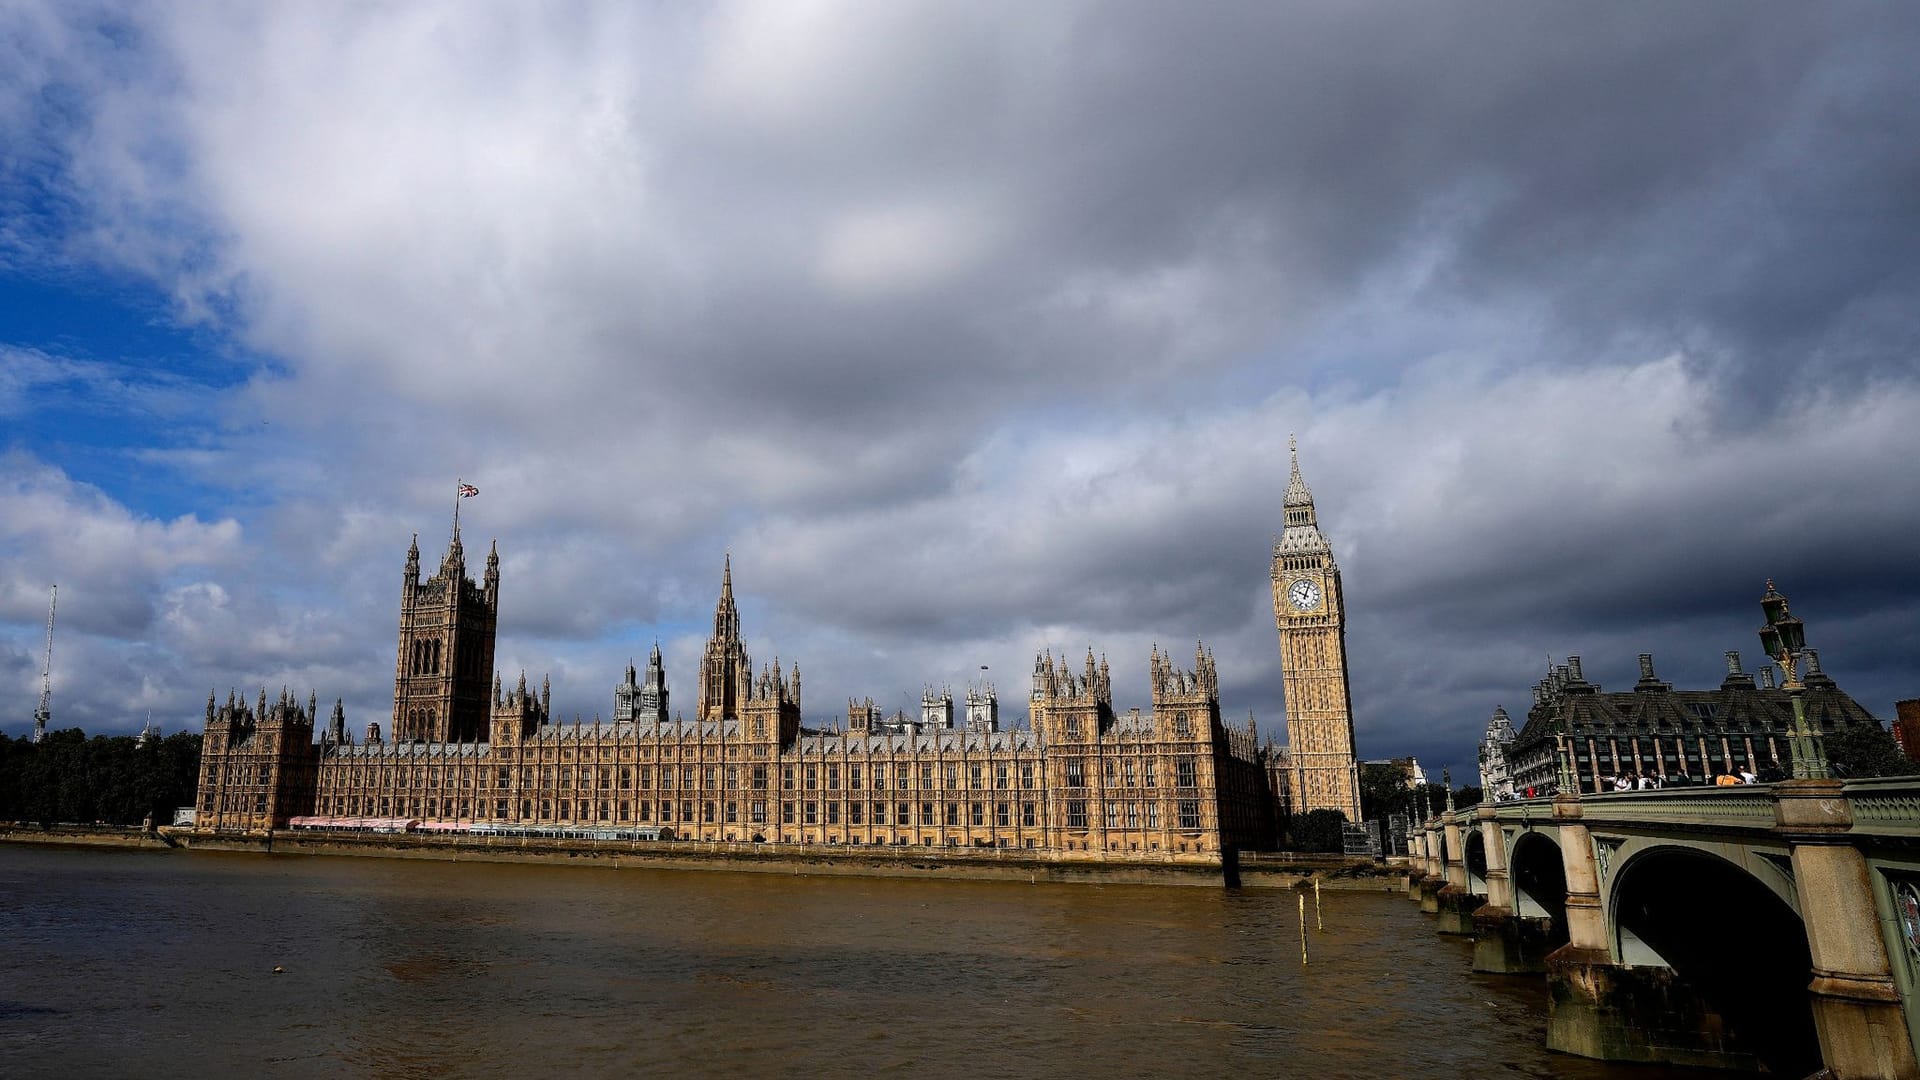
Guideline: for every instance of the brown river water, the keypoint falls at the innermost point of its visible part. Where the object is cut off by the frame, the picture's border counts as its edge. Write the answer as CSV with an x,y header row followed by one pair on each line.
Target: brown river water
x,y
161,964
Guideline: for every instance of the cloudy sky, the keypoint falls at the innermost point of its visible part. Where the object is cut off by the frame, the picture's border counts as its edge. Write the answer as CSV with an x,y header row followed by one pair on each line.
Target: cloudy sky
x,y
969,329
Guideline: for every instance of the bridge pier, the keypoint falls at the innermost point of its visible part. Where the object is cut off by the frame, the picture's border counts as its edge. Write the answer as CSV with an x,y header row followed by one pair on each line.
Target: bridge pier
x,y
1856,1006
1505,944
1417,864
1455,906
1435,879
1455,902
1502,943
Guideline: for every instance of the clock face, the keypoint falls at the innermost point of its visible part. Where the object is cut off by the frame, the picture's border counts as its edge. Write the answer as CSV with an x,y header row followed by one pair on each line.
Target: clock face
x,y
1304,595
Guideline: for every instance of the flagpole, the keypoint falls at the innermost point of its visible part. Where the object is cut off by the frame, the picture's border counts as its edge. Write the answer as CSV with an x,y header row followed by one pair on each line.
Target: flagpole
x,y
458,481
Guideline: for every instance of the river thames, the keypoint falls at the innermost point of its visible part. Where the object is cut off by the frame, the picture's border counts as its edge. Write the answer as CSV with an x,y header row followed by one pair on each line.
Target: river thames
x,y
162,964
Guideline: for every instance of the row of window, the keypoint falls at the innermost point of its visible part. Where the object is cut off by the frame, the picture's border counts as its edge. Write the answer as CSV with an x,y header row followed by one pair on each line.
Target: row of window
x,y
1124,773
1121,773
1131,815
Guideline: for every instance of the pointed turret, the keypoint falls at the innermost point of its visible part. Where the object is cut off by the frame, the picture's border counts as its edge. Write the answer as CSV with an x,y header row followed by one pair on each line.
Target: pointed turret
x,y
1298,494
726,671
726,617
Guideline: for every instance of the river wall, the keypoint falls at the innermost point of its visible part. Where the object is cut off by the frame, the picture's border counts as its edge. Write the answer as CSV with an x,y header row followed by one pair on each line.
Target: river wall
x,y
1251,870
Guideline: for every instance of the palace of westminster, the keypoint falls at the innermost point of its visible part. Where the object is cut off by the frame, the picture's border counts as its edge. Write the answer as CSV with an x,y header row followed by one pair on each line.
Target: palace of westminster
x,y
1081,780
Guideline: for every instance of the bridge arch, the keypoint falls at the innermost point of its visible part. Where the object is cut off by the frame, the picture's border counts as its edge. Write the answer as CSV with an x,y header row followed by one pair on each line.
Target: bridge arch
x,y
1733,936
1474,849
1538,872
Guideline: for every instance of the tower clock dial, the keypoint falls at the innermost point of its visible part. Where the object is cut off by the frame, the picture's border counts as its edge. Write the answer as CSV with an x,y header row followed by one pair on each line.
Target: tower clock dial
x,y
1304,595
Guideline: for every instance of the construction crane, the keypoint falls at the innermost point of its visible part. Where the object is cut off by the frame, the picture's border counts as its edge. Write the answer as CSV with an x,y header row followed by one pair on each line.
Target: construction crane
x,y
44,713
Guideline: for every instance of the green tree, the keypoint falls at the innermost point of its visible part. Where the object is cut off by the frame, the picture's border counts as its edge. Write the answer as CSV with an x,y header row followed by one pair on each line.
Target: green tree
x,y
69,777
1318,830
1863,750
1383,791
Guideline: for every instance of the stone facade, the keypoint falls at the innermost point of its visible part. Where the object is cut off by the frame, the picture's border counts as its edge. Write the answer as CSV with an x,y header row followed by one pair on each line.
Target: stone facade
x,y
1906,727
258,764
446,649
1675,735
1081,780
1310,614
1496,772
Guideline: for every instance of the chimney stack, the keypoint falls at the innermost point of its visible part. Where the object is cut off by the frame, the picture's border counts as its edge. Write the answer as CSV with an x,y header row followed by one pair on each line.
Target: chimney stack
x,y
1814,676
1648,680
1736,679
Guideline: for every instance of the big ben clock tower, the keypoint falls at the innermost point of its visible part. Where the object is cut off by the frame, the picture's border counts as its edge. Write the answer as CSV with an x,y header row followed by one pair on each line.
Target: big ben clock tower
x,y
1309,611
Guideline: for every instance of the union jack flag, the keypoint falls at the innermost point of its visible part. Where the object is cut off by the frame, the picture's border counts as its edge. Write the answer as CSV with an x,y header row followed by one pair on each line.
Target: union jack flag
x,y
468,491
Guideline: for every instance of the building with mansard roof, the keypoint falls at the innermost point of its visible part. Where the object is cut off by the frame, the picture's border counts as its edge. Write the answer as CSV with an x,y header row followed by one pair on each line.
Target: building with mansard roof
x,y
1082,780
1653,730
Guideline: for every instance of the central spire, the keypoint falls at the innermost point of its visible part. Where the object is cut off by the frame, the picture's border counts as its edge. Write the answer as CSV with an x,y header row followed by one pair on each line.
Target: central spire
x,y
726,617
725,671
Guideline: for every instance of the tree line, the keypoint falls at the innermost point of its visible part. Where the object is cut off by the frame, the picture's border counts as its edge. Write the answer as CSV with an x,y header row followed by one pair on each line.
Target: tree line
x,y
68,777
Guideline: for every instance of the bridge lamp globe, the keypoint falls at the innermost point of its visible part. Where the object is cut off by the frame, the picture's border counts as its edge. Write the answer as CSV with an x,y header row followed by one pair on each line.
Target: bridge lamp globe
x,y
1773,606
1783,638
1793,634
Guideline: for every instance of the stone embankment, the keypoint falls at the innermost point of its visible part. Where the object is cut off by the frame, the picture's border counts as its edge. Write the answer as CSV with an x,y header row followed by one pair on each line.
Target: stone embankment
x,y
1261,870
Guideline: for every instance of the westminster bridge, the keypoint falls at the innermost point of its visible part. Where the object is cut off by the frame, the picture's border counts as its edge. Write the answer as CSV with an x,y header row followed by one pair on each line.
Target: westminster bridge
x,y
1771,926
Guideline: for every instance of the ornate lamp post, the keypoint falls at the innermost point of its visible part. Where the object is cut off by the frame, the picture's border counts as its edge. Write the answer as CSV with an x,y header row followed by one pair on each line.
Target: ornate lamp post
x,y
1563,757
1782,638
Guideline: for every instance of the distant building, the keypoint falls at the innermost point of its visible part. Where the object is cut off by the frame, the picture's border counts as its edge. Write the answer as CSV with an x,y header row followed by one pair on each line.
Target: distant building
x,y
1906,727
1686,736
1496,771
1408,767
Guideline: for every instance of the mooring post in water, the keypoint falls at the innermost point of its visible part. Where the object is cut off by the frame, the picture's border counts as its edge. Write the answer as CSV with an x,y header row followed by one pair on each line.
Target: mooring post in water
x,y
1303,929
1317,924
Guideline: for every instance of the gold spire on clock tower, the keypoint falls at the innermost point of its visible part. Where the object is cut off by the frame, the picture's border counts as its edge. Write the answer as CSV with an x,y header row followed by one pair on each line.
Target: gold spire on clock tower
x,y
1309,612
